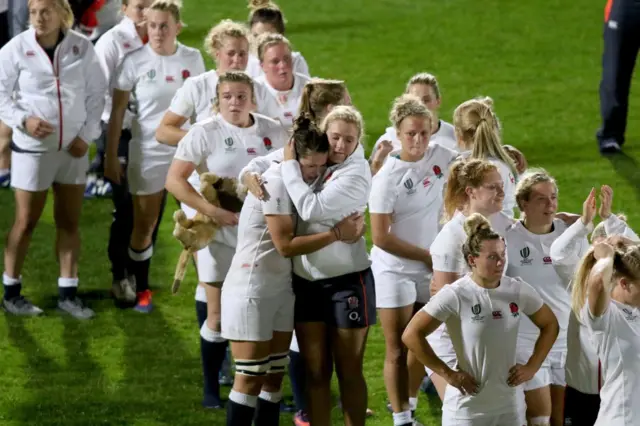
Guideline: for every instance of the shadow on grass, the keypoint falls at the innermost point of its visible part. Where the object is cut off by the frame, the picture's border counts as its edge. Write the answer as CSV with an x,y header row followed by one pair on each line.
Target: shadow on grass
x,y
627,168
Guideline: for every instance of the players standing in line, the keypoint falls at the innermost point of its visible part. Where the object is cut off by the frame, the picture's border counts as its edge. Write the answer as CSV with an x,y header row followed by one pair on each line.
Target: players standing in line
x,y
222,144
478,133
257,298
405,205
582,398
126,37
473,186
150,77
266,17
424,86
607,282
529,242
56,113
5,131
284,87
482,313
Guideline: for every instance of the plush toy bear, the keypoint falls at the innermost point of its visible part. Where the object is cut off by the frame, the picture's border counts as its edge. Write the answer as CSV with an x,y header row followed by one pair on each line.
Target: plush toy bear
x,y
196,233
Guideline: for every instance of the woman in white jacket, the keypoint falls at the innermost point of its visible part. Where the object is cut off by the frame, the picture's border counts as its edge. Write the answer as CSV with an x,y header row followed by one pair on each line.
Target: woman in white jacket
x,y
582,369
60,89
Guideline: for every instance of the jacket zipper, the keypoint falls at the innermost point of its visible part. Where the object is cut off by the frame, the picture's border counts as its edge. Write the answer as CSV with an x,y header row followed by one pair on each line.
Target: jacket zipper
x,y
56,74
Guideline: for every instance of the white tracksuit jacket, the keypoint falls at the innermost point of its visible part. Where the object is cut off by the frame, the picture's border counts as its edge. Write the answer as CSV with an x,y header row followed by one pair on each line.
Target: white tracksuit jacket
x,y
68,92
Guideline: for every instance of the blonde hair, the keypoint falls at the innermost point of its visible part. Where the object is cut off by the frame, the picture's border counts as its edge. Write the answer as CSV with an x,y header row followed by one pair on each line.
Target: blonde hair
x,y
64,10
478,230
528,180
267,40
462,174
345,113
233,77
318,94
224,29
426,79
171,6
601,232
476,123
626,264
409,106
267,12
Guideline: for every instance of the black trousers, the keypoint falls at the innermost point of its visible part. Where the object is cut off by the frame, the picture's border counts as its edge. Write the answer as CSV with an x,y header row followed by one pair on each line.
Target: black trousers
x,y
122,225
621,45
5,35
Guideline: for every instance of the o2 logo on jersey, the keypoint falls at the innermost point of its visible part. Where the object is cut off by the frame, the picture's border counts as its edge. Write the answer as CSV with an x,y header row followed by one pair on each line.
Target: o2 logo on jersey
x,y
437,171
476,310
525,252
408,184
515,310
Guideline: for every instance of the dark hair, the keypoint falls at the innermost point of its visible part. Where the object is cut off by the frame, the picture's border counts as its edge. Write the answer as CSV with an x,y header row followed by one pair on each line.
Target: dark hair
x,y
267,13
308,138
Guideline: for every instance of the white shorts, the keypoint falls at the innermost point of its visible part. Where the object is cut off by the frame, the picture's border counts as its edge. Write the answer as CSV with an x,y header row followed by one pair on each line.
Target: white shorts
x,y
557,361
395,290
212,262
254,319
510,419
38,172
443,347
146,172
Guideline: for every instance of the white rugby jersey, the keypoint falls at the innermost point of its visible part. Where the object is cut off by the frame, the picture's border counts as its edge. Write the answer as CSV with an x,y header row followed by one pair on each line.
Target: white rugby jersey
x,y
281,106
257,269
299,65
444,136
111,48
616,226
412,194
616,335
530,259
216,146
483,325
342,190
153,80
509,181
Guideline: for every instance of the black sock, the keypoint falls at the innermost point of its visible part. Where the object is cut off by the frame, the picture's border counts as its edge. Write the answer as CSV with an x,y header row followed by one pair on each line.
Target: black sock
x,y
296,376
239,414
212,352
67,293
139,263
12,291
267,413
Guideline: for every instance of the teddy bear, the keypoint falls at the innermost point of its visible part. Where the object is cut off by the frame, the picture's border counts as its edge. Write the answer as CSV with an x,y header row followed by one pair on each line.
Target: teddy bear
x,y
196,233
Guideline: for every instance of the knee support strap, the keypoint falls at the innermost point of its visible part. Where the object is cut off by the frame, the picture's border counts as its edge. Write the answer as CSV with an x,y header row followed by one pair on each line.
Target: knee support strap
x,y
252,367
540,421
278,363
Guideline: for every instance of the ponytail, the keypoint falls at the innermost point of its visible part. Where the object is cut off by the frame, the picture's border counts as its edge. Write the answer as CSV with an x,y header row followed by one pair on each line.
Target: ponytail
x,y
580,282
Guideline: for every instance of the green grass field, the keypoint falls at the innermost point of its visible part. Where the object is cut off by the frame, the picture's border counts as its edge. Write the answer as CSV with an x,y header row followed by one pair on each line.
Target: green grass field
x,y
540,61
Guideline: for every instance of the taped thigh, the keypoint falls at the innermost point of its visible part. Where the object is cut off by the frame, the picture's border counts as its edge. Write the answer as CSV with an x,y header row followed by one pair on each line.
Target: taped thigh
x,y
278,363
252,367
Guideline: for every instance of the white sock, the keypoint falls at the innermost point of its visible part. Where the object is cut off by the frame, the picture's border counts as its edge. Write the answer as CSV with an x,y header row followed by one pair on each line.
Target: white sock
x,y
201,294
243,399
67,282
413,403
273,397
209,335
7,280
540,421
402,418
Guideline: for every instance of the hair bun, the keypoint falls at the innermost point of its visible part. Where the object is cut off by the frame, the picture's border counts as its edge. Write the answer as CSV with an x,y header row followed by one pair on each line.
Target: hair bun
x,y
259,4
303,122
476,223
